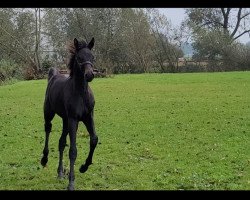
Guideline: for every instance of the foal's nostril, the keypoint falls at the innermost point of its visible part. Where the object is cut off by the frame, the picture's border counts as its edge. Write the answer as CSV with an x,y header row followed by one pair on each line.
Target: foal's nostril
x,y
89,76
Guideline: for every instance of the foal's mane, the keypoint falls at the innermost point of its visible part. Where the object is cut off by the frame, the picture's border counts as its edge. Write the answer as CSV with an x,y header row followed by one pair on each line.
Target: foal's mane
x,y
72,52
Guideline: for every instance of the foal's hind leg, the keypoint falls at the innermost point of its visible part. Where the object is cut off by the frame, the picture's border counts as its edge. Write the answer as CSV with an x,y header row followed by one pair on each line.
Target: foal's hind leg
x,y
62,144
89,123
48,116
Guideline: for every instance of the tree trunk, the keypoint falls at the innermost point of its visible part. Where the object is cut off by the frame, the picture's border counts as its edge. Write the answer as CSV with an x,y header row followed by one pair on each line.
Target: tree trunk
x,y
37,68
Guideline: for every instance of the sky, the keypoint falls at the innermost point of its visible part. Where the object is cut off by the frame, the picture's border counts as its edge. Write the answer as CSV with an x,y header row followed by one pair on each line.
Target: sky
x,y
176,15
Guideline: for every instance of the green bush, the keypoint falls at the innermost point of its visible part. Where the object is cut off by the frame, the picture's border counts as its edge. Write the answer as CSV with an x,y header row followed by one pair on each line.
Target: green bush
x,y
46,64
9,69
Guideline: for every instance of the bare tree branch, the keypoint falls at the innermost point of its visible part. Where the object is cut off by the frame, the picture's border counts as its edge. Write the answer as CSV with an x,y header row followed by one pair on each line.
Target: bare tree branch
x,y
13,50
28,56
223,12
242,17
247,31
237,23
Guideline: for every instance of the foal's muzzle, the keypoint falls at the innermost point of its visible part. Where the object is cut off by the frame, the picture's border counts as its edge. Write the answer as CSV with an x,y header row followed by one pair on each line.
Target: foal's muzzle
x,y
89,76
88,72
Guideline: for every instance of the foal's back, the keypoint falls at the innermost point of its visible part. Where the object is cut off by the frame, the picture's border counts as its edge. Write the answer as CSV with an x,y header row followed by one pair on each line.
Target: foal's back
x,y
55,92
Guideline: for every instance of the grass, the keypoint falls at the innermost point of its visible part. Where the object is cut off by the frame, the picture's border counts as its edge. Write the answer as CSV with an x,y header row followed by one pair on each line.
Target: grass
x,y
156,132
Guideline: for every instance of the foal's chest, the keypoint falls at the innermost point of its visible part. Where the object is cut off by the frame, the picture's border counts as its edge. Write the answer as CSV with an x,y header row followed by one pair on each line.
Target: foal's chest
x,y
79,107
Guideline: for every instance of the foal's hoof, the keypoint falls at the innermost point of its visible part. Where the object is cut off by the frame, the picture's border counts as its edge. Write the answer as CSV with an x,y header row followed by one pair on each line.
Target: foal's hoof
x,y
44,161
71,187
83,168
60,176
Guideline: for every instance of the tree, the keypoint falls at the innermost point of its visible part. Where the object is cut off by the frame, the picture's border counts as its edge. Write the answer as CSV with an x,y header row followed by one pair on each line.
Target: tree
x,y
167,41
56,24
215,31
83,23
21,35
38,24
232,21
6,32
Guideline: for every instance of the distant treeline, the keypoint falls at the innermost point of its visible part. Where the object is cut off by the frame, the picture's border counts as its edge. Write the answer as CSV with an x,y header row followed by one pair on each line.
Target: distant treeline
x,y
128,40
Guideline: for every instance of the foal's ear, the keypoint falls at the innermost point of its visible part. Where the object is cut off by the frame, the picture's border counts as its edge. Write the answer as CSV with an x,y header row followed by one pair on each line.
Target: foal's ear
x,y
91,43
76,43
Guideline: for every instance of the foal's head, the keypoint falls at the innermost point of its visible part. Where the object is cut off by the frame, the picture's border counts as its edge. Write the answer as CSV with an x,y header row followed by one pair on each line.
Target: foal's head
x,y
81,61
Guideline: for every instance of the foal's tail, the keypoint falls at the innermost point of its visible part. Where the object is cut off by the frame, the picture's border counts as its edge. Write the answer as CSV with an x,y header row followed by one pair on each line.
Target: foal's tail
x,y
52,72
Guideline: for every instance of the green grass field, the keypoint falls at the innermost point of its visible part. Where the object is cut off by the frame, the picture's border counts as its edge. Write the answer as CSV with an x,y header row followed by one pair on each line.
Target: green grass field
x,y
156,132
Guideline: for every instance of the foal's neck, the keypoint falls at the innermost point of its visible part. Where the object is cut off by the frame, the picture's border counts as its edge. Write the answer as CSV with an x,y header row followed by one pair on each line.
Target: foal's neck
x,y
80,85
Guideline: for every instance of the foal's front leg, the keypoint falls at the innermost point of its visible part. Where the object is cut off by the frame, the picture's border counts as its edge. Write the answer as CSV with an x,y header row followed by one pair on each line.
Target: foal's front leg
x,y
72,127
89,123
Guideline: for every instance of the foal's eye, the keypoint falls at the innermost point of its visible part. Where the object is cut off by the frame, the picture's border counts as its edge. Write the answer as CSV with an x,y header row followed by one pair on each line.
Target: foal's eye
x,y
80,61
